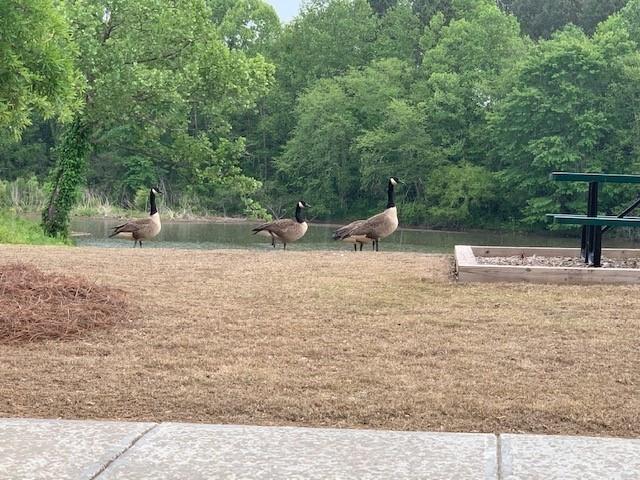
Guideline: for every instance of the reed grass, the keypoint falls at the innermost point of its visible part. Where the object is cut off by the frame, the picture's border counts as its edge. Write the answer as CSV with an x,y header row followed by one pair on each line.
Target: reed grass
x,y
23,195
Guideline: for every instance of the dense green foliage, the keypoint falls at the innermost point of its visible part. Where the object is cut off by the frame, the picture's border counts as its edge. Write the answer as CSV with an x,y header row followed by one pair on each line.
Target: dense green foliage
x,y
471,102
540,18
36,64
572,107
443,114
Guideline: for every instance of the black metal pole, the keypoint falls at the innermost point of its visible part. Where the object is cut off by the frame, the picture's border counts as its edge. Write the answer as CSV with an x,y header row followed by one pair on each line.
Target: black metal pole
x,y
626,212
597,245
593,244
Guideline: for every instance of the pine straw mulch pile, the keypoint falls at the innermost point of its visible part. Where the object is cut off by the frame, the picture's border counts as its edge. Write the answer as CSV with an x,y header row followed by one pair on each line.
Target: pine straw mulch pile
x,y
35,305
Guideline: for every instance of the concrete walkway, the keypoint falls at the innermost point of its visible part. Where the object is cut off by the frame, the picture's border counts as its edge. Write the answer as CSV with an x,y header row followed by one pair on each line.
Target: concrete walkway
x,y
67,449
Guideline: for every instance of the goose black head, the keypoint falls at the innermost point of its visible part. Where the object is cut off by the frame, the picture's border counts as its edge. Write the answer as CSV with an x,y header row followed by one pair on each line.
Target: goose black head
x,y
395,181
303,204
156,191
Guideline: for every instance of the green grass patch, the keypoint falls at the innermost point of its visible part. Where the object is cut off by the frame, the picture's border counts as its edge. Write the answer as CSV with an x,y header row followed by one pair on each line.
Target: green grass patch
x,y
18,230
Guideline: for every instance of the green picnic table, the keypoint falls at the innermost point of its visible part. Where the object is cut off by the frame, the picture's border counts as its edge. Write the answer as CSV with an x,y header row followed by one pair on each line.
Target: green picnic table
x,y
594,225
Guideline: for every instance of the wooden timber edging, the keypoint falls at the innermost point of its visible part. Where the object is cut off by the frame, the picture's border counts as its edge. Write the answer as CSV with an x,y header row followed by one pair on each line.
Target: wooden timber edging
x,y
469,270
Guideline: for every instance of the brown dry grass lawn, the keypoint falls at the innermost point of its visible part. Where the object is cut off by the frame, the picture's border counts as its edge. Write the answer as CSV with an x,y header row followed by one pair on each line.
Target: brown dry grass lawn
x,y
333,339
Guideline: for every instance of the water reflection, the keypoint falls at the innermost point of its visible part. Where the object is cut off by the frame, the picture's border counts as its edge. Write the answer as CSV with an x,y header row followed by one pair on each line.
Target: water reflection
x,y
209,235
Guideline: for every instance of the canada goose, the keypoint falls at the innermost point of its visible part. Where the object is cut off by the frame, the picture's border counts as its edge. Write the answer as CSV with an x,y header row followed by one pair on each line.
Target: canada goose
x,y
374,228
144,228
286,230
356,240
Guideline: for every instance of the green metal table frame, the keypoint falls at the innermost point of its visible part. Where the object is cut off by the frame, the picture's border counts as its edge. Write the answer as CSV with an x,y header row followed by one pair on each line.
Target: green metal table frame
x,y
591,239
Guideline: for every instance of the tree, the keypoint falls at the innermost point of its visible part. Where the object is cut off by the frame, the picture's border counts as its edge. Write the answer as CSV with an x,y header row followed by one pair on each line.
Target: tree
x,y
382,6
331,117
594,12
572,107
426,9
28,157
326,39
37,73
160,85
460,80
417,124
627,20
248,25
399,33
540,18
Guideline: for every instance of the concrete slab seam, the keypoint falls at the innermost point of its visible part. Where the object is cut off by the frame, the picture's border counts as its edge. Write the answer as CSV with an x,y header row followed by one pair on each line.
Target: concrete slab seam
x,y
119,454
499,456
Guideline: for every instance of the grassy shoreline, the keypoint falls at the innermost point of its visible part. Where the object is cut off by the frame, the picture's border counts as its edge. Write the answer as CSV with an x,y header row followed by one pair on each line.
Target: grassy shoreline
x,y
332,339
15,229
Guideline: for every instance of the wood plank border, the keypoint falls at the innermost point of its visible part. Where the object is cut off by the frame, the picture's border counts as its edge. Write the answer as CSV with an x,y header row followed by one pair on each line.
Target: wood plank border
x,y
468,269
465,255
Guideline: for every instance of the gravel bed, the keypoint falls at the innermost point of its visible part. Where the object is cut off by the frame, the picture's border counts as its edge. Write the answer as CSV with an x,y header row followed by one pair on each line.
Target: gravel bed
x,y
540,261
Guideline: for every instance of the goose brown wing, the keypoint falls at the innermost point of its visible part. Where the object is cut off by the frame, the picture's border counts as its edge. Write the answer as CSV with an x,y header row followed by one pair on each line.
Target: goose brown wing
x,y
369,227
345,232
131,226
278,227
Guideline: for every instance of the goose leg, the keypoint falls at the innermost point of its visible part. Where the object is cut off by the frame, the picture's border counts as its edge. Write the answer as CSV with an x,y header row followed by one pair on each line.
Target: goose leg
x,y
140,243
361,244
285,246
355,247
134,243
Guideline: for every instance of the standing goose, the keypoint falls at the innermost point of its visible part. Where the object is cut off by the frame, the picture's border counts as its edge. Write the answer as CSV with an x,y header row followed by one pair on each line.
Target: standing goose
x,y
286,230
356,240
374,228
144,228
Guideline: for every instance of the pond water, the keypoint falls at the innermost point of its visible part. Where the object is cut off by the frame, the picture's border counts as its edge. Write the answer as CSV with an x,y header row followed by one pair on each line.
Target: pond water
x,y
215,235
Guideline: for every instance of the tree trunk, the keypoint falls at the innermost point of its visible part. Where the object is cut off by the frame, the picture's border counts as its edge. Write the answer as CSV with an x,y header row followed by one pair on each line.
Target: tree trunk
x,y
66,178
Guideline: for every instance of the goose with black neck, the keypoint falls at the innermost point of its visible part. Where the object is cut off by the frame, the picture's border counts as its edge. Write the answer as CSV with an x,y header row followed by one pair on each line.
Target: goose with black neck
x,y
375,228
144,228
286,230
